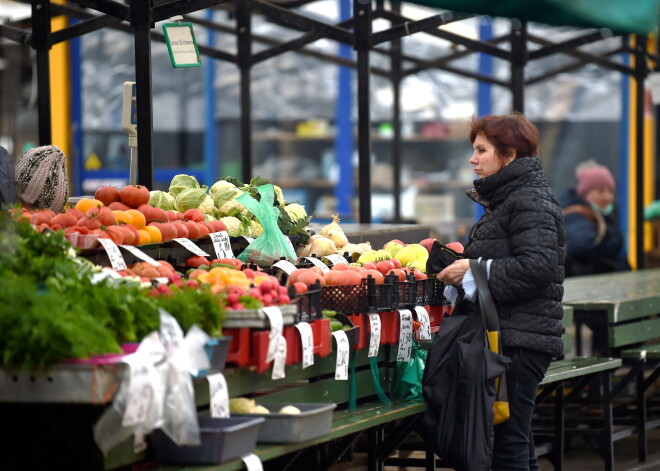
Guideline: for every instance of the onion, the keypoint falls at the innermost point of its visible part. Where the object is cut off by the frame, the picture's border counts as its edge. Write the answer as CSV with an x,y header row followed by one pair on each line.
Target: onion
x,y
338,237
333,226
352,248
322,247
304,251
365,246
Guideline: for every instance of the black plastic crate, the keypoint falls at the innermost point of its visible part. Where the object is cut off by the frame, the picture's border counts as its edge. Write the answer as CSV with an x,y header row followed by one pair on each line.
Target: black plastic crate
x,y
424,292
438,296
349,299
308,304
404,293
380,297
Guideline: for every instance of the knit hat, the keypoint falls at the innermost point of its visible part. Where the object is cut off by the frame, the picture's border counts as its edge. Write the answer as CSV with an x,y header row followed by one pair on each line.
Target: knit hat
x,y
594,176
41,179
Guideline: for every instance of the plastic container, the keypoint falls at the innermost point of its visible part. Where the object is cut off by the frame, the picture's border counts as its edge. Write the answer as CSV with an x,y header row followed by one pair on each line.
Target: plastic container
x,y
216,349
222,440
308,304
257,319
424,292
314,421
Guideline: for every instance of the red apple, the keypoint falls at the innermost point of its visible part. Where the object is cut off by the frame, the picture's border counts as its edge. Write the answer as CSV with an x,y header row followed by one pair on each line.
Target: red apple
x,y
427,244
456,247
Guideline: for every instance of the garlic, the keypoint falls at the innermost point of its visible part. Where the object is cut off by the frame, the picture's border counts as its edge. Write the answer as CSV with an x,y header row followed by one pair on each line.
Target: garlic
x,y
338,237
333,226
322,247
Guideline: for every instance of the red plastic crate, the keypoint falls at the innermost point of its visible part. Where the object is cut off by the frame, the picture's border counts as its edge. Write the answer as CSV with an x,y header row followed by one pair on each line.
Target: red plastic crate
x,y
260,341
361,321
239,347
389,327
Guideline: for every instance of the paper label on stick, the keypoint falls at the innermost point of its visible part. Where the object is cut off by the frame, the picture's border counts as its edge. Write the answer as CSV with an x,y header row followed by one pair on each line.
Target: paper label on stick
x,y
307,342
276,327
188,244
219,395
423,317
279,362
252,462
140,254
222,244
341,369
405,335
114,255
374,334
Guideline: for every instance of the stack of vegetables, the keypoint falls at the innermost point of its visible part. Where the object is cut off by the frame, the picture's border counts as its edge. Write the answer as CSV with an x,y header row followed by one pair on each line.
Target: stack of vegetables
x,y
219,203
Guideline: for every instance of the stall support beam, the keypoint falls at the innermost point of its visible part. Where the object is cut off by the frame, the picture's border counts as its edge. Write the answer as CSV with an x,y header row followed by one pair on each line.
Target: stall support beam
x,y
141,23
363,14
244,36
640,76
518,60
397,67
41,44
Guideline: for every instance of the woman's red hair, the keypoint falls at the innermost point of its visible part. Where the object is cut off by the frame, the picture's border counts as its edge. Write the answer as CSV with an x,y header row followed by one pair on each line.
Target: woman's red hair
x,y
508,133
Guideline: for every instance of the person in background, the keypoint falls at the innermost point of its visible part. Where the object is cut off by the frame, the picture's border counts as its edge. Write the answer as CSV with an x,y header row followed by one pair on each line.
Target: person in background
x,y
41,179
594,239
7,184
521,237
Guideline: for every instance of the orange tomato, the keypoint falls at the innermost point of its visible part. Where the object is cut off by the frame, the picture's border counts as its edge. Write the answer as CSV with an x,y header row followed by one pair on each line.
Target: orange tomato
x,y
85,204
155,234
139,221
122,217
145,237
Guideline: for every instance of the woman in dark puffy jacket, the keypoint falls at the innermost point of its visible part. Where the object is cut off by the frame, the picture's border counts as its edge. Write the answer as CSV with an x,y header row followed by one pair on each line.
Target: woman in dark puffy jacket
x,y
521,237
7,184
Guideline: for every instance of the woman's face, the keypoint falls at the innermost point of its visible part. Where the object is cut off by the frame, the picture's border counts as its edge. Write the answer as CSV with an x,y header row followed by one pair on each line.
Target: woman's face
x,y
485,159
601,196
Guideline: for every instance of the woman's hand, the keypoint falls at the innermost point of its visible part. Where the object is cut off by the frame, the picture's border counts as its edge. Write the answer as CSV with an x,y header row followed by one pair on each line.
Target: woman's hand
x,y
453,274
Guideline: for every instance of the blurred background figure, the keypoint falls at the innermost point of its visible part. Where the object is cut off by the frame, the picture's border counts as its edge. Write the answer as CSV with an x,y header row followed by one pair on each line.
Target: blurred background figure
x,y
7,184
594,239
41,179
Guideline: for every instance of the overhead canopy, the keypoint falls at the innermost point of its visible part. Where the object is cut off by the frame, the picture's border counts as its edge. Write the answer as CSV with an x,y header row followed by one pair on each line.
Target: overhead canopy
x,y
640,16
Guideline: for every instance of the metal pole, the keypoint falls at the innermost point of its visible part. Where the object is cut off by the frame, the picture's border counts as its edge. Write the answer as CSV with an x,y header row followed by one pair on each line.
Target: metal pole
x,y
396,62
518,59
41,44
142,24
640,75
362,16
244,35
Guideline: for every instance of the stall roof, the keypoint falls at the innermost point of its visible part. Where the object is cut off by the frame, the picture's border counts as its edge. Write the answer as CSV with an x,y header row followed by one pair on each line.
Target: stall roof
x,y
618,15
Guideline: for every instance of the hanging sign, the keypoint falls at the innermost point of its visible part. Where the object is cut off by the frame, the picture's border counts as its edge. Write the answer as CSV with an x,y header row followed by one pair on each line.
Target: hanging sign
x,y
181,45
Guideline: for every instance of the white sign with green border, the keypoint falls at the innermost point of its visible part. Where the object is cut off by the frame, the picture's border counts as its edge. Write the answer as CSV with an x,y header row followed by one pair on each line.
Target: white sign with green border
x,y
181,45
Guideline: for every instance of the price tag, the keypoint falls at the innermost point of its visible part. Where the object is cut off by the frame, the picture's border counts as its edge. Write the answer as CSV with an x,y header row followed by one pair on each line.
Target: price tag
x,y
335,258
341,369
374,336
171,334
222,244
286,266
140,254
317,263
116,260
139,443
219,395
307,342
188,244
139,393
276,327
280,359
249,239
654,83
423,317
405,336
252,462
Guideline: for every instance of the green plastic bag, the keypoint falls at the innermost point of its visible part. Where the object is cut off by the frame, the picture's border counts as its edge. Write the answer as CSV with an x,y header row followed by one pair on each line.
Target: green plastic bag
x,y
272,245
408,384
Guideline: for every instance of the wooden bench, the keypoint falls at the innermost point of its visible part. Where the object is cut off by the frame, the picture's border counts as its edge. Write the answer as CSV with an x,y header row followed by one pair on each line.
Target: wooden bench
x,y
623,308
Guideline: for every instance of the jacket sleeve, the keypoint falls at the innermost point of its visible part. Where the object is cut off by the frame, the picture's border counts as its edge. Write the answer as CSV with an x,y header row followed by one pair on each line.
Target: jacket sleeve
x,y
580,234
534,242
7,179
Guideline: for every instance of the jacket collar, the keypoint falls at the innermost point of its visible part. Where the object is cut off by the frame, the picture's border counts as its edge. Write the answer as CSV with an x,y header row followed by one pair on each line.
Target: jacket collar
x,y
495,188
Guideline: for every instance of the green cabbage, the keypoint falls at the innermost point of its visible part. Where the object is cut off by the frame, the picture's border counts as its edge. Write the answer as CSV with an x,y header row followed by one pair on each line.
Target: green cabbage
x,y
161,199
234,226
194,198
209,217
183,182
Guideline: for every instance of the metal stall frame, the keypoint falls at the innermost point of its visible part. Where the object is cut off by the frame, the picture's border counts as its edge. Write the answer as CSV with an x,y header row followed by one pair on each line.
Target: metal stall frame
x,y
139,18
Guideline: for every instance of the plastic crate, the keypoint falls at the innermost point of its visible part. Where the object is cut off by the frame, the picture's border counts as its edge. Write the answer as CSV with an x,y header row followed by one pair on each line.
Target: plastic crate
x,y
438,297
404,293
222,440
352,333
348,299
239,348
314,421
308,304
424,292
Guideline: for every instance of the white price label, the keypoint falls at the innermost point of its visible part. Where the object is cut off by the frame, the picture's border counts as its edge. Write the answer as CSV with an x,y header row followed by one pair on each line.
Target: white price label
x,y
335,258
188,244
249,239
139,443
114,255
279,362
423,317
139,394
374,336
286,266
307,343
654,83
222,244
405,336
140,254
341,369
317,263
219,395
276,327
252,462
171,334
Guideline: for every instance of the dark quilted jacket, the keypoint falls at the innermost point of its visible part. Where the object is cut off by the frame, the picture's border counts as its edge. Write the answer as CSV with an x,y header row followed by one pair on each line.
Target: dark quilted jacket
x,y
522,230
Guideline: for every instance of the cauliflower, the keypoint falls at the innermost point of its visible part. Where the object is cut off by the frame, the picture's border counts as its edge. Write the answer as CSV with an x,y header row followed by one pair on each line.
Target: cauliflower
x,y
234,226
255,229
194,198
295,211
232,208
279,196
209,217
161,199
220,184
